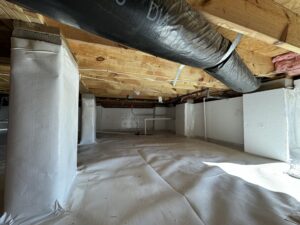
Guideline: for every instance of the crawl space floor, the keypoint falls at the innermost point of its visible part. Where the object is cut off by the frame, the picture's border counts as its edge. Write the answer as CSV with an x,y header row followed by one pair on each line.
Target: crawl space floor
x,y
172,180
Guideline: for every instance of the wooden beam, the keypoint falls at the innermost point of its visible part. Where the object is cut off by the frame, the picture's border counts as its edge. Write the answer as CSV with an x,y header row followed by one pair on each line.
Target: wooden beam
x,y
261,19
11,11
293,5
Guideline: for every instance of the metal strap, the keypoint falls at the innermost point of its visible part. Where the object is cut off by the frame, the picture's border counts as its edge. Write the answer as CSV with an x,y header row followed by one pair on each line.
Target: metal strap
x,y
233,46
179,71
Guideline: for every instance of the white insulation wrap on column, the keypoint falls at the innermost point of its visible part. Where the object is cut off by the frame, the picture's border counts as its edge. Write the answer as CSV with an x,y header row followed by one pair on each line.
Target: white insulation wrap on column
x,y
293,112
88,119
43,128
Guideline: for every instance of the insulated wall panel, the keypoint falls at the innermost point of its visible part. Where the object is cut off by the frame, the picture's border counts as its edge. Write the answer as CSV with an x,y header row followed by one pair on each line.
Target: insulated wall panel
x,y
225,120
297,84
198,120
132,119
266,124
171,113
43,121
180,119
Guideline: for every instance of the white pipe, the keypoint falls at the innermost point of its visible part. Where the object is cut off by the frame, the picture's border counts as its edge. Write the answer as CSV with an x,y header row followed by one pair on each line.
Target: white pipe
x,y
153,119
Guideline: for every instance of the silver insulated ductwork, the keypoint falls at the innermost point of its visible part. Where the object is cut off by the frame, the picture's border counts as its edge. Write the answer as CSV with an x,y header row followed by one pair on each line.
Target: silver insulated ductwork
x,y
170,29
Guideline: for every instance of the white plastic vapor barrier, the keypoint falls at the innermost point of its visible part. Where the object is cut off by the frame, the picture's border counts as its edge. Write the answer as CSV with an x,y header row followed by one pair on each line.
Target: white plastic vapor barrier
x,y
43,128
133,119
224,120
171,180
266,124
88,119
293,106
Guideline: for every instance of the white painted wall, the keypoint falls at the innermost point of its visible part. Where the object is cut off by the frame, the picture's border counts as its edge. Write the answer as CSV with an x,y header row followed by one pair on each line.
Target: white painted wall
x,y
266,124
125,119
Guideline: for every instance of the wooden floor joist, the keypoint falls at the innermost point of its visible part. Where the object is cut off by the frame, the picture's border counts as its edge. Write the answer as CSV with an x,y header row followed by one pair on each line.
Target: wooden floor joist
x,y
110,69
261,19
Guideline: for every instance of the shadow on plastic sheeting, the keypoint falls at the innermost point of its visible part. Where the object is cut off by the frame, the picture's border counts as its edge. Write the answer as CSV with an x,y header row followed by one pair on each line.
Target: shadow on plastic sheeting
x,y
216,196
221,198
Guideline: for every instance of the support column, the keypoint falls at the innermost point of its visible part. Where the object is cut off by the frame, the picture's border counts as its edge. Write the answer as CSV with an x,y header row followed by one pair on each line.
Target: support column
x,y
43,123
88,119
185,119
189,118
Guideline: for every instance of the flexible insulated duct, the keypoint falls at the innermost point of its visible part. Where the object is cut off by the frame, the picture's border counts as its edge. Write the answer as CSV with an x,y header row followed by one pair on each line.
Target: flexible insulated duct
x,y
170,29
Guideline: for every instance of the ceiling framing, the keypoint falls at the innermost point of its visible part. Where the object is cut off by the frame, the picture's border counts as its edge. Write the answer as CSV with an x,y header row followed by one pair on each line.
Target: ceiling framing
x,y
111,70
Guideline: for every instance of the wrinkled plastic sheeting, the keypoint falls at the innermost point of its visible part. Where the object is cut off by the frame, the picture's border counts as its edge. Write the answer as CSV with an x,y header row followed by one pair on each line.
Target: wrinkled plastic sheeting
x,y
168,180
88,119
170,29
293,112
43,128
